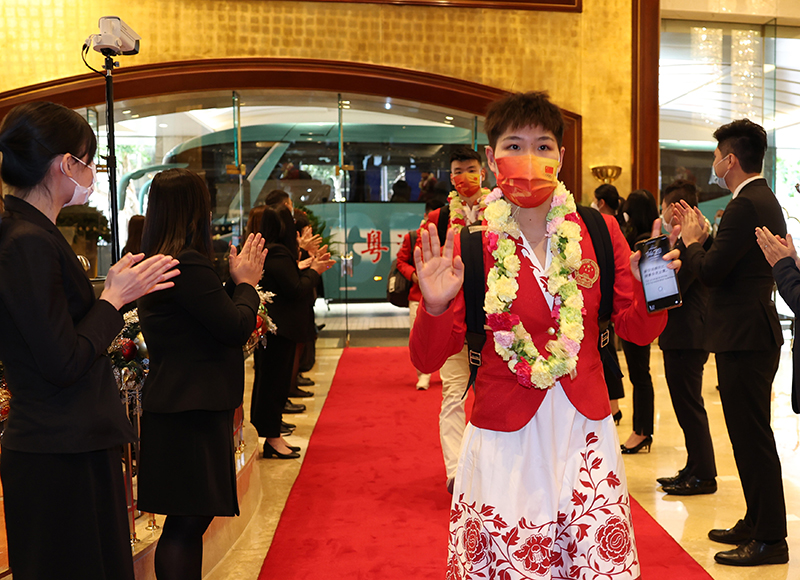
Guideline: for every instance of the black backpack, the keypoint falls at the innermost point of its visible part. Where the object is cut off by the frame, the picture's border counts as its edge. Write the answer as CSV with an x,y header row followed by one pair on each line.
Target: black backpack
x,y
397,285
475,286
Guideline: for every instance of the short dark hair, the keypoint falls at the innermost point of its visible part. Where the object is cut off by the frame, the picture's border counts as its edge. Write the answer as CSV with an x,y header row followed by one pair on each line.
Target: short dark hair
x,y
433,204
178,214
746,140
609,194
33,134
465,154
519,110
678,190
275,198
277,227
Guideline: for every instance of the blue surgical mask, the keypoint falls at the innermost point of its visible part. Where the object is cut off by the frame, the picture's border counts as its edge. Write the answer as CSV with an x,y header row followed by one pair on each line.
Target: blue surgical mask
x,y
720,181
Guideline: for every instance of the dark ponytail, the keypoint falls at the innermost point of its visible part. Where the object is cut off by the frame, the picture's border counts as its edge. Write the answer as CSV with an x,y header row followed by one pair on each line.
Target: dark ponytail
x,y
34,134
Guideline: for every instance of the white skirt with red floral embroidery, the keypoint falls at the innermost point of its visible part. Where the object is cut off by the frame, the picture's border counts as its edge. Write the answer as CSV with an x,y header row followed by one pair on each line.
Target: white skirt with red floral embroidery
x,y
547,501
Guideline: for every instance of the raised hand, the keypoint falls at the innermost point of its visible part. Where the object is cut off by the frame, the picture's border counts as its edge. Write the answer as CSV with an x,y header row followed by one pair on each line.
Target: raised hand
x,y
440,275
322,260
776,248
671,256
247,267
694,226
132,277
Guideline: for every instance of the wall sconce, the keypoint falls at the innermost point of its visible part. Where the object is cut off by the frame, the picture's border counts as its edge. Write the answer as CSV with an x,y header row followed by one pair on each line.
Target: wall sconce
x,y
606,173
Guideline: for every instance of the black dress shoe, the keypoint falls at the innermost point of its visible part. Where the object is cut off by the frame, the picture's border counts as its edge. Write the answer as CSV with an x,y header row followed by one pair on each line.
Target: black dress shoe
x,y
304,381
293,447
299,393
738,534
755,553
617,417
290,407
269,451
646,442
286,431
677,478
692,486
285,425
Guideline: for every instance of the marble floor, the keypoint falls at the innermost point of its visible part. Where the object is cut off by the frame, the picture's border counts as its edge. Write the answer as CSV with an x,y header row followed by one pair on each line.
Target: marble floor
x,y
687,519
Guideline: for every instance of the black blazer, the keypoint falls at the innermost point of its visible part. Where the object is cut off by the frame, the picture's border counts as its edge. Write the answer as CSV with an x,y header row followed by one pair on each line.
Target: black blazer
x,y
294,294
194,333
788,278
53,342
740,314
685,325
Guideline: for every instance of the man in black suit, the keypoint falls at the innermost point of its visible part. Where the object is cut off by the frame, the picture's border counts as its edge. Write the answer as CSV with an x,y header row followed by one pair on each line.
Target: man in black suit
x,y
743,329
782,256
683,346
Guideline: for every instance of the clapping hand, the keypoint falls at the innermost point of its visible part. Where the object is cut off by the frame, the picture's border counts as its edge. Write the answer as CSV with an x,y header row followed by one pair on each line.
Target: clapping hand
x,y
322,260
694,226
672,256
440,275
776,248
308,241
132,277
247,267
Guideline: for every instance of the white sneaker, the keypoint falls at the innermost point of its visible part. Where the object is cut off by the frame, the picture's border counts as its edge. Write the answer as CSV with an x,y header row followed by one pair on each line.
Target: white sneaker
x,y
423,382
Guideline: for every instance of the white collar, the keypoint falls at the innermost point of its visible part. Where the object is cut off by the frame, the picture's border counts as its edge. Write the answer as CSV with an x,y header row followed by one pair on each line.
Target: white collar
x,y
745,182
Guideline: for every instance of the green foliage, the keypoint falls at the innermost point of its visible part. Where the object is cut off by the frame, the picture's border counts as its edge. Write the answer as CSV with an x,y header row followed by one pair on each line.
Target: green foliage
x,y
318,227
88,222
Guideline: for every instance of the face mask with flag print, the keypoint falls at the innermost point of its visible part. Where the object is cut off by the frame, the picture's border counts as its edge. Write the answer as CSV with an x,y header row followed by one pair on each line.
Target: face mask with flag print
x,y
527,180
467,184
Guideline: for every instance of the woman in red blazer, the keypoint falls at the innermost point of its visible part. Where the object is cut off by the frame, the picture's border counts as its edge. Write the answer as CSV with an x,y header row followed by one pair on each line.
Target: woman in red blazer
x,y
540,487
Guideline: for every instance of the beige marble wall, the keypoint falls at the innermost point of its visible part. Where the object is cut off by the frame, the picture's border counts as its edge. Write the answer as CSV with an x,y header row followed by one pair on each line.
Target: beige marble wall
x,y
582,59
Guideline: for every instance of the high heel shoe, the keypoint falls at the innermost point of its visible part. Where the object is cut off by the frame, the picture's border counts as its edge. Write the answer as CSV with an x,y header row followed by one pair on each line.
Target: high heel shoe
x,y
617,417
646,442
269,451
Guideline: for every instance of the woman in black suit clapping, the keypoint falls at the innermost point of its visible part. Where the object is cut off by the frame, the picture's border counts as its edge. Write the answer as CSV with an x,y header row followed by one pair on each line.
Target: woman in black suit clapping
x,y
194,332
66,425
277,364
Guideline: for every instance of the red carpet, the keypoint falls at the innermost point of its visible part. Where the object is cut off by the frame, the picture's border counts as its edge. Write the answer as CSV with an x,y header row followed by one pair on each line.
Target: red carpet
x,y
370,501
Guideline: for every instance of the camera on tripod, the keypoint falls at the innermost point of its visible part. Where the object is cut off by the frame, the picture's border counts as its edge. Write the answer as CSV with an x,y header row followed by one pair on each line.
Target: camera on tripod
x,y
115,38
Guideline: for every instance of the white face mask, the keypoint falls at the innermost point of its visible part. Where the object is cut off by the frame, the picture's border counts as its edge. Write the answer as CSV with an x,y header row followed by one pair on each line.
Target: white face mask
x,y
665,225
81,194
720,181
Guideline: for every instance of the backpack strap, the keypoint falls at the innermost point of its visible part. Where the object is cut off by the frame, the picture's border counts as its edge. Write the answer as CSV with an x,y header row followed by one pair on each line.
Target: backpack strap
x,y
443,223
604,250
474,292
413,237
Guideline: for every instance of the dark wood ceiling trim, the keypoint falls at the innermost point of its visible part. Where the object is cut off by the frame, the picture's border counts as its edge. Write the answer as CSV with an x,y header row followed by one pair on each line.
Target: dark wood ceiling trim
x,y
286,74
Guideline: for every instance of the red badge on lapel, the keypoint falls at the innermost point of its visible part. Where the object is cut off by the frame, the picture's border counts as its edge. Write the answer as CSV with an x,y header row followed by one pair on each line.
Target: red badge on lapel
x,y
588,273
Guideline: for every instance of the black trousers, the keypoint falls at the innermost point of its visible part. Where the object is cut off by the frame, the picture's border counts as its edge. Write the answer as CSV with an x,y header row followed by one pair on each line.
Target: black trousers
x,y
611,370
745,387
638,359
273,378
684,372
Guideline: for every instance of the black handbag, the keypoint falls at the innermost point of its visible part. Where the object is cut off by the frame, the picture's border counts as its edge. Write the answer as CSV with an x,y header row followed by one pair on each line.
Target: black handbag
x,y
397,285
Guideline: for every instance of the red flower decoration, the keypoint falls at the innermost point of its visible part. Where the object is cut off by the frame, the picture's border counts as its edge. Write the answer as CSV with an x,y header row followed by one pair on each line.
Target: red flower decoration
x,y
614,541
491,238
572,217
502,321
453,569
476,540
523,371
535,554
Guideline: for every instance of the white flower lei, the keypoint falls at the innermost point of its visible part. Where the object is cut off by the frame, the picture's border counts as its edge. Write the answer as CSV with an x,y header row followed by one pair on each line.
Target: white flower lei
x,y
512,342
458,215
